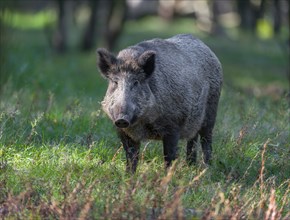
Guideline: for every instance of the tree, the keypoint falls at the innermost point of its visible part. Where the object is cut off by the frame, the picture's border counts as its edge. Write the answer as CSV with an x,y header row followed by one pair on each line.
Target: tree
x,y
90,32
115,20
60,36
277,16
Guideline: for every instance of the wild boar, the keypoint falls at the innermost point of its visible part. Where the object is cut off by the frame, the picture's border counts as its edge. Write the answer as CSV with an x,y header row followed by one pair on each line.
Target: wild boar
x,y
163,89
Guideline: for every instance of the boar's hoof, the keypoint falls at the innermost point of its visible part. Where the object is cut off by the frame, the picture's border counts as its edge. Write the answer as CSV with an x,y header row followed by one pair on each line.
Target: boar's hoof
x,y
122,123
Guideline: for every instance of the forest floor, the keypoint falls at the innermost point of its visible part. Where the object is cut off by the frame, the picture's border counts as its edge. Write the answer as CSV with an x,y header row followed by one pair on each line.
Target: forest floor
x,y
60,156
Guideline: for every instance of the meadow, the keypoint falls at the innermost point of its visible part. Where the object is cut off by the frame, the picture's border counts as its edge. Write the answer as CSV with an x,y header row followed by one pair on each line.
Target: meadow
x,y
61,159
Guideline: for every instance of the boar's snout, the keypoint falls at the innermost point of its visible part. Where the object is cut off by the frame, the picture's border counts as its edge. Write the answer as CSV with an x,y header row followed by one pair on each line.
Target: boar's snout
x,y
122,122
124,115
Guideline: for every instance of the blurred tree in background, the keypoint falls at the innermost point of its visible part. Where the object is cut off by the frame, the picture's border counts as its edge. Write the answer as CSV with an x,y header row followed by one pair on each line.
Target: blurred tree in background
x,y
103,21
87,24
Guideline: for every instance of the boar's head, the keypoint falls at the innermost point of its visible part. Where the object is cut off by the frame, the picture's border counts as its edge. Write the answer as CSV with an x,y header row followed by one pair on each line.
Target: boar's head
x,y
129,97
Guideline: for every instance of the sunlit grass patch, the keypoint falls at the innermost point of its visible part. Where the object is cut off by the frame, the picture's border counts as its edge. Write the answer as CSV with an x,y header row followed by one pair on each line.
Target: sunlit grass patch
x,y
23,20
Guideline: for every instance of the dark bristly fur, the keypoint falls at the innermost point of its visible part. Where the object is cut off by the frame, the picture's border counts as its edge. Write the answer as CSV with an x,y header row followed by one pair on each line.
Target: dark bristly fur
x,y
165,90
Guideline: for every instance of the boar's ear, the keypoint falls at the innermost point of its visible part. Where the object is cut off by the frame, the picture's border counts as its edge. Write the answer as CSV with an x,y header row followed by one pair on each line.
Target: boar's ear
x,y
106,60
147,61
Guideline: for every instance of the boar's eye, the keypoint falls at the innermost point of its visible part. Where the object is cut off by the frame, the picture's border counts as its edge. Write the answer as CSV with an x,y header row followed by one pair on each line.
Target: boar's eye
x,y
115,82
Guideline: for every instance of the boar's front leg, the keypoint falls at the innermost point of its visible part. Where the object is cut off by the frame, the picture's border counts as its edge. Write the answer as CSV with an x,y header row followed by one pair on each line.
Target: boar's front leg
x,y
132,151
170,142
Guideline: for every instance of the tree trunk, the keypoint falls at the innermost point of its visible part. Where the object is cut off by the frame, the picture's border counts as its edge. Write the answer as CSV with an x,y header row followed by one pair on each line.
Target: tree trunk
x,y
114,22
216,28
258,13
60,36
88,40
277,16
244,11
3,48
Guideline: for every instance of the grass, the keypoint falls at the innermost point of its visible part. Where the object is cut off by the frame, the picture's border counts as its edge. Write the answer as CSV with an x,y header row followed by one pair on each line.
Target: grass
x,y
60,157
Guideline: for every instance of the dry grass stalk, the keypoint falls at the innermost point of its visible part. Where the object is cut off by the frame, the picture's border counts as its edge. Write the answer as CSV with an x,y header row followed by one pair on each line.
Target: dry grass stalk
x,y
165,180
14,205
86,208
271,213
173,208
242,134
251,164
78,201
76,204
117,152
261,178
143,152
285,198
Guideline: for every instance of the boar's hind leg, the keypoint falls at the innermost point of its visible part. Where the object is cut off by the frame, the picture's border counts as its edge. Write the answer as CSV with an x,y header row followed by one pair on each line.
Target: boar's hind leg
x,y
206,140
132,151
207,128
170,142
191,150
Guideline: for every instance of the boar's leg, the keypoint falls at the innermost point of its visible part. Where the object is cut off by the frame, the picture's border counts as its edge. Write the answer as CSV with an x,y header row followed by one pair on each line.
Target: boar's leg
x,y
191,150
206,140
170,142
208,125
132,151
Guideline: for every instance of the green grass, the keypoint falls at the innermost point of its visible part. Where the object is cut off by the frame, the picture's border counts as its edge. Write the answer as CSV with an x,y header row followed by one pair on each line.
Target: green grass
x,y
60,156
